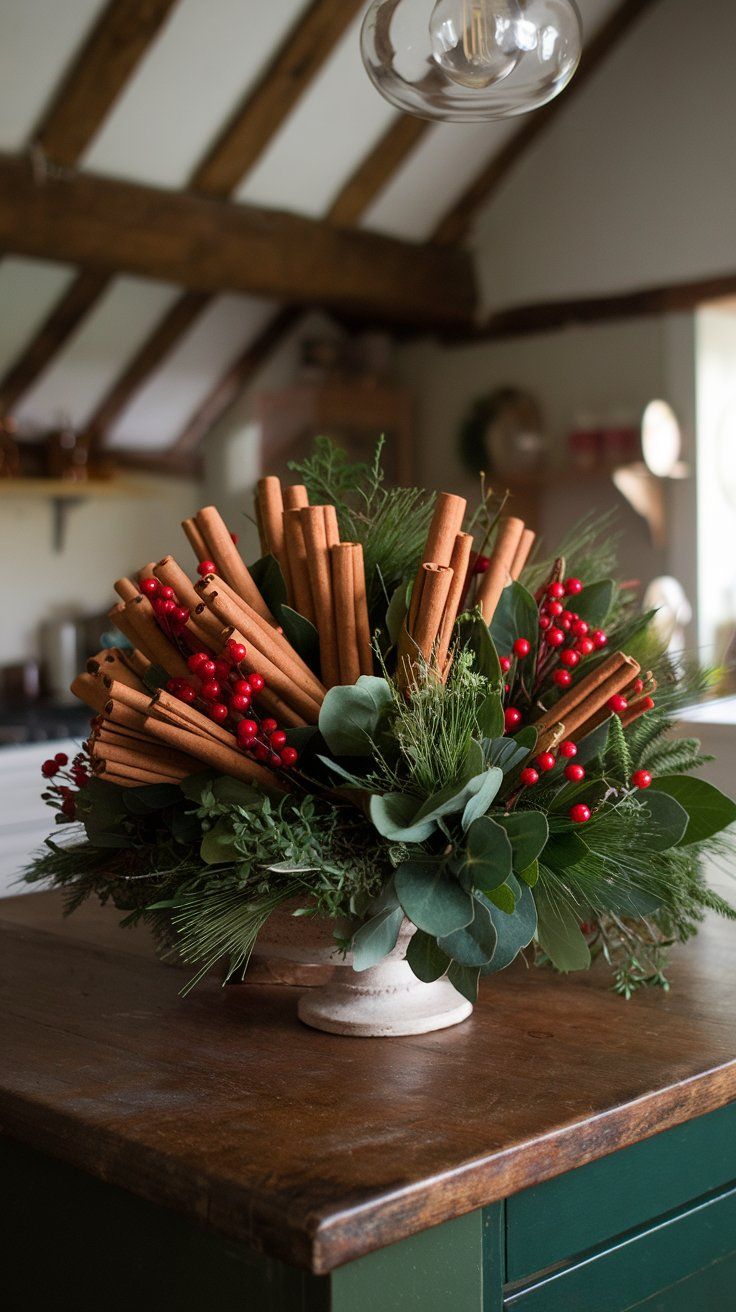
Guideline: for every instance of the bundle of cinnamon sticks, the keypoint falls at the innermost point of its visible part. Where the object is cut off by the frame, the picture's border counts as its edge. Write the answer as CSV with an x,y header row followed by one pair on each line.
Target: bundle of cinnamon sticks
x,y
585,706
324,577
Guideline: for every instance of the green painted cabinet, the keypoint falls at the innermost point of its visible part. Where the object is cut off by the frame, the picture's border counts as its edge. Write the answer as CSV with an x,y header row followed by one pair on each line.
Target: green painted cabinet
x,y
651,1228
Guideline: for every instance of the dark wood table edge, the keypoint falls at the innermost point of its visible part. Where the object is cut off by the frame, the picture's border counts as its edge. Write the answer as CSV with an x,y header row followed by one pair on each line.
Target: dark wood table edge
x,y
322,1242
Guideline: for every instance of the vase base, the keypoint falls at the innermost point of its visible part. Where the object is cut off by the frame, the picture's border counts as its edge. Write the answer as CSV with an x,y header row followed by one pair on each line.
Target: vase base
x,y
365,1012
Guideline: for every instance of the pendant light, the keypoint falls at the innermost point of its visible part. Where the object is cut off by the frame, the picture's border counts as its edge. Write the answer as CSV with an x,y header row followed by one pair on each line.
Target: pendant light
x,y
468,60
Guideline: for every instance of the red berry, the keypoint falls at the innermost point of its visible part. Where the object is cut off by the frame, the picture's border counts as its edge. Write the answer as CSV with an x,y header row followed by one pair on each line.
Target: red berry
x,y
222,669
481,564
555,608
49,769
187,694
511,717
507,687
174,685
567,617
206,567
207,669
562,678
240,702
505,663
269,725
237,651
555,637
599,638
68,808
574,773
638,685
648,703
641,778
274,760
545,761
247,729
567,749
167,594
544,621
529,776
196,661
256,681
278,740
242,688
617,704
522,647
210,690
556,590
61,758
573,587
580,628
289,756
181,616
570,657
585,646
580,813
219,712
261,752
164,607
149,587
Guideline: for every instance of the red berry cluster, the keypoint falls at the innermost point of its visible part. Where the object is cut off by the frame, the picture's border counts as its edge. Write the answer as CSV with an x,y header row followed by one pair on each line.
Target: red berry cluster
x,y
73,777
172,617
225,696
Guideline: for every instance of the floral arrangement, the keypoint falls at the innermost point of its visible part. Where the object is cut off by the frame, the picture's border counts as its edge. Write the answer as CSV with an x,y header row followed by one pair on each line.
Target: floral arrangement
x,y
401,710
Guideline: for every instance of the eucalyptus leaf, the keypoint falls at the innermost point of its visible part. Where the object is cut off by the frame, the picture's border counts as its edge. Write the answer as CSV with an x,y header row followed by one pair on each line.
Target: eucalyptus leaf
x,y
396,613
350,716
393,816
475,944
426,958
453,798
267,576
559,934
506,753
431,897
502,898
465,980
528,832
490,716
593,744
479,804
513,932
237,793
473,635
516,616
564,850
595,601
530,875
485,861
668,821
353,780
708,809
376,938
218,844
474,762
194,787
151,797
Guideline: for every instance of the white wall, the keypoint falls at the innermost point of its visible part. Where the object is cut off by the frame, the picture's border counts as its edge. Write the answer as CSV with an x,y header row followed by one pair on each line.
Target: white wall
x,y
105,538
633,185
716,403
600,370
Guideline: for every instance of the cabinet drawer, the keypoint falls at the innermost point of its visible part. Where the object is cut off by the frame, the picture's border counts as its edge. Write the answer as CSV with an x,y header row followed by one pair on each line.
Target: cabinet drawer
x,y
638,1270
587,1207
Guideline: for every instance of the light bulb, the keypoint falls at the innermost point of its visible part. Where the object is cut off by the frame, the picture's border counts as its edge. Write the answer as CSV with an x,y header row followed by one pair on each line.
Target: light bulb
x,y
469,60
470,40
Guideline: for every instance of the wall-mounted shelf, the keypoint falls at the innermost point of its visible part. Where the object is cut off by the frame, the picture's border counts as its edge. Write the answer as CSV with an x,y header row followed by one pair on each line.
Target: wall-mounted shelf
x,y
65,494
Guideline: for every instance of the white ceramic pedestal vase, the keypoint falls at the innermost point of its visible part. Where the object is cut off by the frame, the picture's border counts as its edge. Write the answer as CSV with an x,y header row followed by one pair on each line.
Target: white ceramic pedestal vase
x,y
383,1002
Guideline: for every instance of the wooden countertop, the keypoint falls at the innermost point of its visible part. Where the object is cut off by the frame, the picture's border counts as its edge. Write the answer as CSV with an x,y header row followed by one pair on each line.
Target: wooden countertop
x,y
318,1149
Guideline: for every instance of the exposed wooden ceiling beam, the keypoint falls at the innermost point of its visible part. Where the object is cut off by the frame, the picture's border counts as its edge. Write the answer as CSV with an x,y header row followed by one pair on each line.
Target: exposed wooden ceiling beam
x,y
66,315
233,155
458,220
281,85
377,169
117,42
548,316
170,463
109,226
234,380
175,323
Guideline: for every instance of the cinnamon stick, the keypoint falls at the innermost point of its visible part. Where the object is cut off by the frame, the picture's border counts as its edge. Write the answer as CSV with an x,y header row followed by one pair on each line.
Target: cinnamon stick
x,y
295,497
195,540
119,617
320,578
591,712
126,589
153,640
168,707
269,663
129,776
151,756
227,760
270,700
581,691
362,621
459,561
226,556
122,715
419,642
447,522
110,662
498,574
526,543
270,505
296,552
90,690
135,661
271,648
343,586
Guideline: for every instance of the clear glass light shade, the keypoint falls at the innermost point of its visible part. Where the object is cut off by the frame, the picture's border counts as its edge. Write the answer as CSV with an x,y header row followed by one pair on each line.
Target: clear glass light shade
x,y
469,60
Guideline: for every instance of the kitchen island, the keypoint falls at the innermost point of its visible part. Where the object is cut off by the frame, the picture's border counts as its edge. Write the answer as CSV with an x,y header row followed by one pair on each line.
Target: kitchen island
x,y
562,1151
